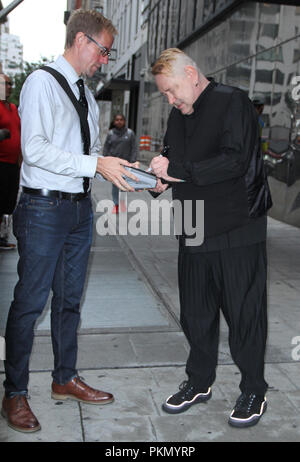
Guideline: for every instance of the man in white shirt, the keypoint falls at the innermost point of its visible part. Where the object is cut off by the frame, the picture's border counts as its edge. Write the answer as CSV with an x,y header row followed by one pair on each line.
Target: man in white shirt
x,y
53,220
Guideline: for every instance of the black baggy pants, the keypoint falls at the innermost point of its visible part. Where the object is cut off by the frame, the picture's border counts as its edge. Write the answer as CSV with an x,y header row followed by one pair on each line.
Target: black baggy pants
x,y
233,280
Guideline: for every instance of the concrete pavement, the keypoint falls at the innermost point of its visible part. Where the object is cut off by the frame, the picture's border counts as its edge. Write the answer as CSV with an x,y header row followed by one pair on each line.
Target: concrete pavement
x,y
131,344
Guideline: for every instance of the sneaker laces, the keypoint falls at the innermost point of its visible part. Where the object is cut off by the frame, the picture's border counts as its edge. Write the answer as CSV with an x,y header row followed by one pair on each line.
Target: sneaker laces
x,y
186,388
244,403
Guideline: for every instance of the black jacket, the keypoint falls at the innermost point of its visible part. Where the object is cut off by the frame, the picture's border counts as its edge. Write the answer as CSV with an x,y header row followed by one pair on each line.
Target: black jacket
x,y
217,151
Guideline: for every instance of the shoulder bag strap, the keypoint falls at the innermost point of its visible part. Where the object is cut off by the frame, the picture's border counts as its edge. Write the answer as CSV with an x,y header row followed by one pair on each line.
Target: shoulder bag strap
x,y
64,84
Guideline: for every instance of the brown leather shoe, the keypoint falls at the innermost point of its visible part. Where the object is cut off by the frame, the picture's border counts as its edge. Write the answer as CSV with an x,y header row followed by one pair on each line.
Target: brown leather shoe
x,y
18,414
78,390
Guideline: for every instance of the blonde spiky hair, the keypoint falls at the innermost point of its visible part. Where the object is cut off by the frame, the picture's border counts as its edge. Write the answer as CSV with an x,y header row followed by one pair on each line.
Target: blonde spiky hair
x,y
172,61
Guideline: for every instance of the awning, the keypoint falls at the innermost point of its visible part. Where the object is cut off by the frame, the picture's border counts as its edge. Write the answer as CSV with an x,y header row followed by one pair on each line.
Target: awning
x,y
105,93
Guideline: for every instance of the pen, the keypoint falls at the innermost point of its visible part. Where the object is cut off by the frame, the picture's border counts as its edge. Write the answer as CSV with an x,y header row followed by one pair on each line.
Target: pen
x,y
163,153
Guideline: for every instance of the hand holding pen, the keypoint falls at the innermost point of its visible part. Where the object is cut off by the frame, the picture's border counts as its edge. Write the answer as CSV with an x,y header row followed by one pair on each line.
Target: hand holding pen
x,y
163,153
159,166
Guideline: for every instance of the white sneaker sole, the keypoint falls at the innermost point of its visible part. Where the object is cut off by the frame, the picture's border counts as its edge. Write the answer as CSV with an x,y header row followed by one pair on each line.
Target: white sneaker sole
x,y
199,398
253,420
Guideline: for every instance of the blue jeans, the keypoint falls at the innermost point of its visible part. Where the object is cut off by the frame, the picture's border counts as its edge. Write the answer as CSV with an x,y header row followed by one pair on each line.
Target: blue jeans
x,y
54,238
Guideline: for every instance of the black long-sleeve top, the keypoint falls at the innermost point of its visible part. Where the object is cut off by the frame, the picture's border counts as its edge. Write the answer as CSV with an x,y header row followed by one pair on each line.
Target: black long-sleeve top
x,y
216,150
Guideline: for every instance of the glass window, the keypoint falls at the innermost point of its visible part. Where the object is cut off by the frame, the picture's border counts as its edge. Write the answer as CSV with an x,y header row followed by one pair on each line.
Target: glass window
x,y
208,9
273,54
173,22
279,77
153,35
253,29
240,49
129,19
296,56
264,76
270,30
238,72
162,27
269,9
276,98
137,16
187,18
199,13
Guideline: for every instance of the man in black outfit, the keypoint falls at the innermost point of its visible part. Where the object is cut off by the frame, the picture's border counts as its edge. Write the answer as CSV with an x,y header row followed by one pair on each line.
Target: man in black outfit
x,y
214,146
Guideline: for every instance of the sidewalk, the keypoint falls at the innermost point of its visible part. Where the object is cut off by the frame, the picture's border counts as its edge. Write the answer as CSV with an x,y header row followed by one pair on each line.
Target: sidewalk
x,y
131,344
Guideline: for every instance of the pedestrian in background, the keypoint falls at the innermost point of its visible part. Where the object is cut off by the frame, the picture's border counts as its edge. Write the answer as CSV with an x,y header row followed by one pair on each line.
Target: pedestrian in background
x,y
10,159
53,221
214,146
120,142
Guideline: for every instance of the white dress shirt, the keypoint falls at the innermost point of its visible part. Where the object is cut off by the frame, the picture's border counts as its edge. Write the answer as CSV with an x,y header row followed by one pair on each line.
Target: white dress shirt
x,y
51,139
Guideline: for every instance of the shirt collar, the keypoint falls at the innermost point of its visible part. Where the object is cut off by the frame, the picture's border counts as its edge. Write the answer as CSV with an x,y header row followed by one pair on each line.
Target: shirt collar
x,y
207,90
67,69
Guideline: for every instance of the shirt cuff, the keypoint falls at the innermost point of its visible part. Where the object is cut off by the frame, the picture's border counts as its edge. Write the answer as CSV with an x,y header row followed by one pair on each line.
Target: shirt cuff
x,y
88,166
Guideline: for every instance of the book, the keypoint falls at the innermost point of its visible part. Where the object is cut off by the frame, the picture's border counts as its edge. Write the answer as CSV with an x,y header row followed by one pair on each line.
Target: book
x,y
146,179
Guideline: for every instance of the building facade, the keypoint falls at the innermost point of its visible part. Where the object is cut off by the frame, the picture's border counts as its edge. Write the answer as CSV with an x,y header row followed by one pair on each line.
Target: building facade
x,y
119,87
11,51
254,45
11,54
85,4
124,85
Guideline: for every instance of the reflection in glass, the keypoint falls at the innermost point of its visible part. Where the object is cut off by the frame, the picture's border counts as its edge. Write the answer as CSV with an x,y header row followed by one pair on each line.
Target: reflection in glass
x,y
256,48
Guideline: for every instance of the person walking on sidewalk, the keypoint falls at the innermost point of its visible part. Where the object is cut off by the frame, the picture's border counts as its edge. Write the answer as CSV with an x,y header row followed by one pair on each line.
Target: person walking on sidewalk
x,y
120,142
214,146
10,159
53,219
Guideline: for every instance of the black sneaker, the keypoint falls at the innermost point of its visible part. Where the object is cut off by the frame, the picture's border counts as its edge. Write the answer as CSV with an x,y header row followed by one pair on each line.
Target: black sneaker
x,y
248,410
185,398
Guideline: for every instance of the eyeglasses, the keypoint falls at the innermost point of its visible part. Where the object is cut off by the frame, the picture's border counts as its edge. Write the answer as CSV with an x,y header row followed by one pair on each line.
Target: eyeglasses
x,y
104,50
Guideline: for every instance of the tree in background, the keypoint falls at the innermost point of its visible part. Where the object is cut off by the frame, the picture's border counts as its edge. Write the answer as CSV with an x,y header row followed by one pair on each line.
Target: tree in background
x,y
19,79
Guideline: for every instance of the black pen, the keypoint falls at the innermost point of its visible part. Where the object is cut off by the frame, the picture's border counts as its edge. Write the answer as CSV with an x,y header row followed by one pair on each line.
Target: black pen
x,y
163,153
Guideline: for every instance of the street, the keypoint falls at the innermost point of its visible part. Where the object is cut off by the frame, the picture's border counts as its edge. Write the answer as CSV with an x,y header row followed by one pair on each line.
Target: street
x,y
131,344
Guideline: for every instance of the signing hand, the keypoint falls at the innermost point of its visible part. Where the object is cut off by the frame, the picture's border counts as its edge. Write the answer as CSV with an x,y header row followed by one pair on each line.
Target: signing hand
x,y
159,165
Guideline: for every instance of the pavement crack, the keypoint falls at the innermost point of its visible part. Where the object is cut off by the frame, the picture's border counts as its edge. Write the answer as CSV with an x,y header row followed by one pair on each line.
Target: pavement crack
x,y
154,402
153,429
81,423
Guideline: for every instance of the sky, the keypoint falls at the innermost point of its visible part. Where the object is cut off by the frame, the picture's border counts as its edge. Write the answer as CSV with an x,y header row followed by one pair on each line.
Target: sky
x,y
40,26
